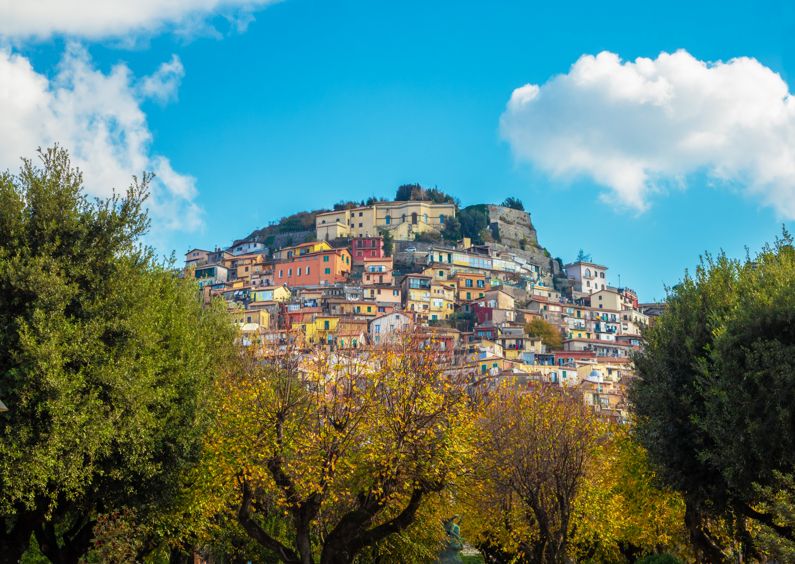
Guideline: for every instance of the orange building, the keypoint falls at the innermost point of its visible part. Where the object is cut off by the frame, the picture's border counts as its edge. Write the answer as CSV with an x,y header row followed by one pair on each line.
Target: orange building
x,y
470,286
310,269
377,271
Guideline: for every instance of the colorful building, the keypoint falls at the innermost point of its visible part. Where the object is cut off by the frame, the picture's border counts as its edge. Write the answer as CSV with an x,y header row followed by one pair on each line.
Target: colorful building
x,y
402,219
363,248
470,286
328,266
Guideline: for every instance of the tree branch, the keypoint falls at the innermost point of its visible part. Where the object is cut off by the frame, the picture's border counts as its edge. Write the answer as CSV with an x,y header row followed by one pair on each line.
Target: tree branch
x,y
257,533
784,531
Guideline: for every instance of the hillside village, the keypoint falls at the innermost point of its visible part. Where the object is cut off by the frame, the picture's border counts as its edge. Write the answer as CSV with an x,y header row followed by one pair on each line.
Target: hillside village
x,y
494,302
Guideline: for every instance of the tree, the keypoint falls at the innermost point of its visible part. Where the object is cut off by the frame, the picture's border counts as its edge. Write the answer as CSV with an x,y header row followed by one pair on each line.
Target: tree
x,y
582,256
714,395
541,329
513,203
621,512
389,243
326,458
416,192
534,449
105,357
406,192
474,223
452,229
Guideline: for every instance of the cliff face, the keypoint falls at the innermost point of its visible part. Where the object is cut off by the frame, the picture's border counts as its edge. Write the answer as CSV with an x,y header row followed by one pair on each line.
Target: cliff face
x,y
515,231
514,226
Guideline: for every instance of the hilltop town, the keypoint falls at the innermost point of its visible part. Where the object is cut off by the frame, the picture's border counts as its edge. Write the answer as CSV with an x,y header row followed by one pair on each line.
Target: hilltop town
x,y
498,305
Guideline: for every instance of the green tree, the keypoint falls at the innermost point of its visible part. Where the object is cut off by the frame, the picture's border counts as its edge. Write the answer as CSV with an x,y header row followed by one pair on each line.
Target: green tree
x,y
406,192
452,229
513,203
105,357
389,242
474,222
715,393
542,329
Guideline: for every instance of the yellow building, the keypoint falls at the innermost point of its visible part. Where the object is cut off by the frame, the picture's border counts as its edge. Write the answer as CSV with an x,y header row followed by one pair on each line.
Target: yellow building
x,y
271,294
471,286
439,272
442,301
402,219
416,290
295,251
321,330
259,317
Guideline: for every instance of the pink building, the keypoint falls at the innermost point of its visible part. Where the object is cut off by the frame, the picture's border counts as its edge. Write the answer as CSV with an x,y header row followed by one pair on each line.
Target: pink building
x,y
366,247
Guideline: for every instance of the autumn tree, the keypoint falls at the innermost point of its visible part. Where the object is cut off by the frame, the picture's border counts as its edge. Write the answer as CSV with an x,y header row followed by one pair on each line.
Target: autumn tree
x,y
621,512
535,446
105,358
328,455
539,328
715,395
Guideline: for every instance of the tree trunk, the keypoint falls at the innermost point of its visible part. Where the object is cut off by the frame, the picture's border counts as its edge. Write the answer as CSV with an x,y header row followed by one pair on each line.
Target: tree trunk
x,y
15,541
708,550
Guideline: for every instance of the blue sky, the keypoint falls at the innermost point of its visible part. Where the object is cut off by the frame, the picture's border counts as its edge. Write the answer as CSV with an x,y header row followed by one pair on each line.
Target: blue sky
x,y
320,101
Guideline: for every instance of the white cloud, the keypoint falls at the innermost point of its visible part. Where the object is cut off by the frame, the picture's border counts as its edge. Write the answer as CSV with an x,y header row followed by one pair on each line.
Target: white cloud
x,y
98,117
640,127
100,19
162,84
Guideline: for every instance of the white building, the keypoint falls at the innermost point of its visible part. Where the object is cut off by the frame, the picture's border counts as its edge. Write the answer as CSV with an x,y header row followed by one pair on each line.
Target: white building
x,y
246,247
384,327
588,277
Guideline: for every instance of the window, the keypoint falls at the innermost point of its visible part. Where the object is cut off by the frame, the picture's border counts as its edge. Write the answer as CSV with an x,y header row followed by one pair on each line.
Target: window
x,y
587,272
377,327
441,274
441,218
281,273
387,220
481,283
360,214
426,218
414,218
325,258
601,275
326,324
360,225
326,271
468,283
307,271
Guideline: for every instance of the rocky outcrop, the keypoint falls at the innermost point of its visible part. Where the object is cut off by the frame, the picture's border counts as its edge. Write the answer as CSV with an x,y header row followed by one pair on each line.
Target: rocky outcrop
x,y
513,229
